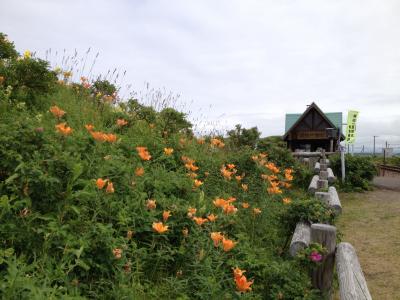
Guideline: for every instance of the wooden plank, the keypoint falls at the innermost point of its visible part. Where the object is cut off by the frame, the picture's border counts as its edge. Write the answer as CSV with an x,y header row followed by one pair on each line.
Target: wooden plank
x,y
313,187
352,283
301,238
322,276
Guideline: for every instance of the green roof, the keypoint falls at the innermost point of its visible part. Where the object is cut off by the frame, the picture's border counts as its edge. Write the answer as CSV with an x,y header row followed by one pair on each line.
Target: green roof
x,y
334,117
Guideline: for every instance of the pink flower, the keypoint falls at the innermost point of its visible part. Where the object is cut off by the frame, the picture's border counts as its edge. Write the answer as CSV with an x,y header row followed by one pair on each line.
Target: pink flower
x,y
315,256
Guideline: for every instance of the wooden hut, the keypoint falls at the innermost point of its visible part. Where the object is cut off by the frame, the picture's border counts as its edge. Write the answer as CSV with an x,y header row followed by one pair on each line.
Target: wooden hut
x,y
313,130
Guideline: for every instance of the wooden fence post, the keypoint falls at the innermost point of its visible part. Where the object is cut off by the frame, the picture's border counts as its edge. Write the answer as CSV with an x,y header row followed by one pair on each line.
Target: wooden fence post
x,y
322,276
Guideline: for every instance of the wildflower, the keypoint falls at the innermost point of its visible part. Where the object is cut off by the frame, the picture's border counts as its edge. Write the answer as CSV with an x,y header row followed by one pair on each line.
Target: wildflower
x,y
179,273
166,214
201,141
245,187
111,138
288,174
228,244
238,272
121,122
191,211
206,173
245,205
219,202
274,190
229,209
168,151
230,166
212,217
27,54
200,221
151,125
187,160
254,157
89,127
256,211
238,178
192,175
231,200
159,227
127,267
191,166
139,171
143,153
110,188
67,74
216,237
271,166
197,183
64,129
56,111
151,204
185,232
129,234
315,256
117,253
287,200
100,183
263,155
226,173
216,142
242,285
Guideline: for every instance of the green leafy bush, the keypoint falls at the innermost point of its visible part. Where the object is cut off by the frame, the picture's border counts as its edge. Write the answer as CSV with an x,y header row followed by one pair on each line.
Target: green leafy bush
x,y
360,170
78,221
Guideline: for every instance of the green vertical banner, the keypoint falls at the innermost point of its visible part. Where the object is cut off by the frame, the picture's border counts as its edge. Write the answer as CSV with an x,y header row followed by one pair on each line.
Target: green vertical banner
x,y
351,126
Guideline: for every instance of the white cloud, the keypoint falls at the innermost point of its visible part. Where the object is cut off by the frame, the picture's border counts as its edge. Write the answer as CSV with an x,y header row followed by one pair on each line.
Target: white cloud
x,y
253,61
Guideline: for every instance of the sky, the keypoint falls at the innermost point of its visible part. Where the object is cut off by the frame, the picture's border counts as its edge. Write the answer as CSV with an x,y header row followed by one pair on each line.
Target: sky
x,y
233,62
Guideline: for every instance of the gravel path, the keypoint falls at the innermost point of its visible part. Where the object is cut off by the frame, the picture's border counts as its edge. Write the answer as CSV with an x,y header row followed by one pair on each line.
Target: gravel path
x,y
371,223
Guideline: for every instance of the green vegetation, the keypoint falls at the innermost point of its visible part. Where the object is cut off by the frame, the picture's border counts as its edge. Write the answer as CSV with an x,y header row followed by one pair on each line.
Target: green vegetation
x,y
360,171
108,199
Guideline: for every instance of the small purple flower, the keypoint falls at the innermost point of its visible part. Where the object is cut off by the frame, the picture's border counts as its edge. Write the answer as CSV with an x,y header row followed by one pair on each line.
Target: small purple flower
x,y
315,256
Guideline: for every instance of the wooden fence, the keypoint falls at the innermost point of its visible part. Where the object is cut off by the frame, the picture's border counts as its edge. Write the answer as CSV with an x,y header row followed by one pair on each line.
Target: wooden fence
x,y
352,283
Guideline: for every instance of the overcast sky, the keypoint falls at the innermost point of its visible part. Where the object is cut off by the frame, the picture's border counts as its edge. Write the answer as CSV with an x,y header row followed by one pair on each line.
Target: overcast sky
x,y
247,62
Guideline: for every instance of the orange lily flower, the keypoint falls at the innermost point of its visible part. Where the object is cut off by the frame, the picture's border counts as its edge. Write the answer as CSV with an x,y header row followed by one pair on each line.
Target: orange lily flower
x,y
191,166
151,204
287,200
256,211
117,253
110,188
216,237
274,190
229,209
212,217
159,227
200,221
245,205
64,129
143,153
271,166
227,174
219,202
100,183
242,284
166,214
191,211
230,166
89,127
187,160
192,175
228,244
201,141
139,171
197,183
122,122
238,272
168,151
56,111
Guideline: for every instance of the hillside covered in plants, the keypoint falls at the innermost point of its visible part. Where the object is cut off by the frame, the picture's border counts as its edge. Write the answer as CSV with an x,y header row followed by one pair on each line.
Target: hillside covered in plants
x,y
106,198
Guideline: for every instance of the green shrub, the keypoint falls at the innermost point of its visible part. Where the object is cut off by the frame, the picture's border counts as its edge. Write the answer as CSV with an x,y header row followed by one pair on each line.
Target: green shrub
x,y
360,170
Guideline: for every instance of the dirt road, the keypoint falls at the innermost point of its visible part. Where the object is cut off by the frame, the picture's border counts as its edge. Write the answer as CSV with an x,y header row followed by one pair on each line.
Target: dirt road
x,y
371,223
